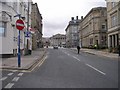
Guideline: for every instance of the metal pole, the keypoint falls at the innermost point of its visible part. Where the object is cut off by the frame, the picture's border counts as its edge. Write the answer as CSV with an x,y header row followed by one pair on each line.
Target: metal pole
x,y
118,25
19,54
119,43
28,26
119,49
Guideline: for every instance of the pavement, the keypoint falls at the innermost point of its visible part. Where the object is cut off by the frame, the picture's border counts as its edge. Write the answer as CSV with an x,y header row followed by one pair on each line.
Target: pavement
x,y
26,61
98,52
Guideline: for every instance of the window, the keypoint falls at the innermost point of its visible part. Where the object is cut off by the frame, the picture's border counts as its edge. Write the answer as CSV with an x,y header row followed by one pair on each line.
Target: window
x,y
103,40
74,21
0,14
117,39
113,20
113,4
4,2
74,28
2,28
103,13
15,5
103,27
91,41
3,14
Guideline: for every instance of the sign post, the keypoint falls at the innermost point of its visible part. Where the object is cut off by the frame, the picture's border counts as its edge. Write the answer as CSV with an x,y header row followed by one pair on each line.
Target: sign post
x,y
19,26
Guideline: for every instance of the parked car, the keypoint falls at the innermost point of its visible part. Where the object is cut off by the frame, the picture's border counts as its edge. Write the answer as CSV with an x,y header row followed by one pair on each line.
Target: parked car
x,y
55,47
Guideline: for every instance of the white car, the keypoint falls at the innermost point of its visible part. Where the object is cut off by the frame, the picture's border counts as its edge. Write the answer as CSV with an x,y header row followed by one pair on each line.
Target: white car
x,y
55,47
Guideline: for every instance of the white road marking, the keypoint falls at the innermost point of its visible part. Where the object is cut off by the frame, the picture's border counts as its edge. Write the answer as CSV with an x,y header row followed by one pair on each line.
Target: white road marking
x,y
96,69
9,85
76,58
20,74
15,79
72,56
68,54
10,74
4,78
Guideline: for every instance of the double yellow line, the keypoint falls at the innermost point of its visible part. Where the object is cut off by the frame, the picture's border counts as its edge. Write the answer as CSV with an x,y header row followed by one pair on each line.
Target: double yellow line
x,y
39,64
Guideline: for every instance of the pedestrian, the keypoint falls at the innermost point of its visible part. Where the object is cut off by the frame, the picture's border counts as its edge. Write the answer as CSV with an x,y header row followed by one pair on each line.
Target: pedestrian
x,y
78,48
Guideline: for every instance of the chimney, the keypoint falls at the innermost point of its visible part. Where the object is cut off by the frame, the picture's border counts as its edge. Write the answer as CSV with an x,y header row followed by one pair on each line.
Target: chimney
x,y
72,18
81,17
76,17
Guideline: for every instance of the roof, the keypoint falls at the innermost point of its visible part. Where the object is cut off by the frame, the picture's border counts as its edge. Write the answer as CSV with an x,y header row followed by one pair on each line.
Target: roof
x,y
73,22
93,9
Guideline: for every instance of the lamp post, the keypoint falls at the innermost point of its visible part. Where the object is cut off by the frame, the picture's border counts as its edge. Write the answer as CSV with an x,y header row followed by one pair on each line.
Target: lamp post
x,y
119,24
27,46
119,45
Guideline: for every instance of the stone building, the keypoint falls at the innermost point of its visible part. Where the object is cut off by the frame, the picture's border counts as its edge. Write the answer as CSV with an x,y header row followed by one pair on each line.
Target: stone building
x,y
72,33
113,16
58,40
93,28
46,41
9,14
36,27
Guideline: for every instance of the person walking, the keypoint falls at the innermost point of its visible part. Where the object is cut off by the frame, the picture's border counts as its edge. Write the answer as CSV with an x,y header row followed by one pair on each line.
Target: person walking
x,y
78,49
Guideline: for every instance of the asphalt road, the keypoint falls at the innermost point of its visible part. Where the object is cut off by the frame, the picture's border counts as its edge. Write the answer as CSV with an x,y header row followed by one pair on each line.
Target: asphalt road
x,y
64,68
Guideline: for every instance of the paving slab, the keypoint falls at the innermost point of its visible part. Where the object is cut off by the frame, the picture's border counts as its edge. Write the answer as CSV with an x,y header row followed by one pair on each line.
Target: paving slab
x,y
98,52
26,61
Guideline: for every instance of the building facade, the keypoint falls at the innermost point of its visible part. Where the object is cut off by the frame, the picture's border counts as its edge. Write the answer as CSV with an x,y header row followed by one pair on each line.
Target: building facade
x,y
93,28
37,27
72,33
113,16
58,40
8,33
46,41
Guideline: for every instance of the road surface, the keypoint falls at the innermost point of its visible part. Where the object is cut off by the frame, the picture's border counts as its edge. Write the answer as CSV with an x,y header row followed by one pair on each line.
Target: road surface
x,y
64,68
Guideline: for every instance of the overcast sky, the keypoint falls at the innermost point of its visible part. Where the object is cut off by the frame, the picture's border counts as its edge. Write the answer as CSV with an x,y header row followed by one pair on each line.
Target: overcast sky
x,y
57,13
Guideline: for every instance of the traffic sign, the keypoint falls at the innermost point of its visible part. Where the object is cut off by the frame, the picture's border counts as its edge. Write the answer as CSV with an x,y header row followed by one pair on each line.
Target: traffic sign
x,y
20,24
27,34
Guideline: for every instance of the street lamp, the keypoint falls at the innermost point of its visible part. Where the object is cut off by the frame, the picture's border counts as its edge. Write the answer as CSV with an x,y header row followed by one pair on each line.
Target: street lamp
x,y
119,26
4,12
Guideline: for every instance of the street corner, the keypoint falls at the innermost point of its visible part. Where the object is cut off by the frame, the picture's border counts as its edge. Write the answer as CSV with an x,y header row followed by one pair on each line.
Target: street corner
x,y
36,61
27,63
9,64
